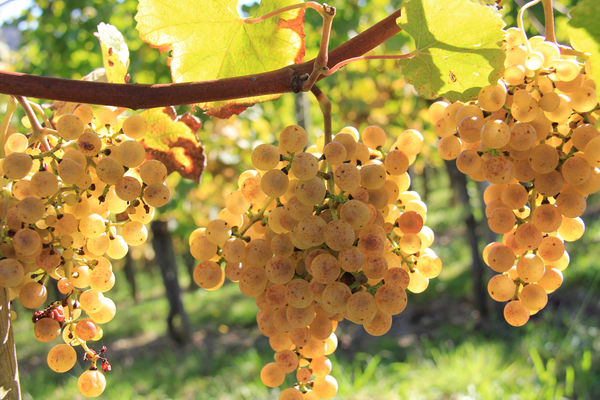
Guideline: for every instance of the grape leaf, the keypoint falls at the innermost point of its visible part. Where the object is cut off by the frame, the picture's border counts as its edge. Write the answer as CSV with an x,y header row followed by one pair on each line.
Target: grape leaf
x,y
209,40
584,34
115,54
173,141
457,47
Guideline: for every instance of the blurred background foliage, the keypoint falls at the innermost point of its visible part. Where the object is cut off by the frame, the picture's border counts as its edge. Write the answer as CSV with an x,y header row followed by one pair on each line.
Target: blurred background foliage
x,y
442,347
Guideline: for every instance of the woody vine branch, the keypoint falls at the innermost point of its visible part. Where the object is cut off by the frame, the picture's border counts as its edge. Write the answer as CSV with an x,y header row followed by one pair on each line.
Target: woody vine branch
x,y
137,96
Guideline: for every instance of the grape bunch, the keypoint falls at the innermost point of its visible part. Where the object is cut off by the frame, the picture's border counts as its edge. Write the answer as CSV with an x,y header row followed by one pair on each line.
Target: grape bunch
x,y
74,195
317,235
531,135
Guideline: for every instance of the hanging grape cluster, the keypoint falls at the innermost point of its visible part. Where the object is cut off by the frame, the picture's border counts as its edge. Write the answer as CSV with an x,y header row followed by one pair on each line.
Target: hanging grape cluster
x,y
73,196
317,235
532,137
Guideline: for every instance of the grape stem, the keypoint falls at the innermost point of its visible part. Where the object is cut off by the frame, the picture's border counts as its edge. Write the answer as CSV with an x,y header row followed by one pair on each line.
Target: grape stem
x,y
320,65
520,22
257,217
325,106
35,124
549,21
318,7
11,106
380,57
137,96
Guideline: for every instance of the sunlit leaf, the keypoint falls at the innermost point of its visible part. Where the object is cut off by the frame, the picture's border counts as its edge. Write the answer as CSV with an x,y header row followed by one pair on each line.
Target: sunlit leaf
x,y
174,142
584,34
210,40
457,47
115,53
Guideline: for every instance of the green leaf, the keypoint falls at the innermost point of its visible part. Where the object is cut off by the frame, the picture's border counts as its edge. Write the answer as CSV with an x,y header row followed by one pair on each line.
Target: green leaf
x,y
457,47
209,40
173,141
584,34
115,53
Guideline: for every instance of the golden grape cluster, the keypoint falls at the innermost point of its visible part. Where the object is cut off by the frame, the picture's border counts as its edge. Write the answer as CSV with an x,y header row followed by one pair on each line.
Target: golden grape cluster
x,y
73,195
532,137
317,235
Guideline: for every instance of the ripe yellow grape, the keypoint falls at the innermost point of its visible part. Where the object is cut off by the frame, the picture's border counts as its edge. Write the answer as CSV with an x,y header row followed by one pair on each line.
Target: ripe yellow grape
x,y
272,375
91,383
61,358
533,297
325,387
17,165
515,313
501,288
156,195
33,295
46,329
334,152
135,126
208,275
11,272
70,126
